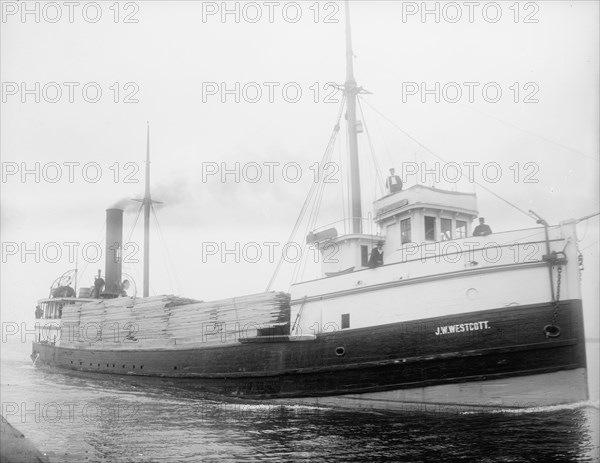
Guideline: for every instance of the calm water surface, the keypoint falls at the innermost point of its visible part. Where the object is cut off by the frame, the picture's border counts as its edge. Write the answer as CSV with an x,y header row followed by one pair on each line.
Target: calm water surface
x,y
107,419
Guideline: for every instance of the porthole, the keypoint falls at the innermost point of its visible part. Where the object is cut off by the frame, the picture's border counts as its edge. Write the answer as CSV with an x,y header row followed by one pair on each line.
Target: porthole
x,y
340,351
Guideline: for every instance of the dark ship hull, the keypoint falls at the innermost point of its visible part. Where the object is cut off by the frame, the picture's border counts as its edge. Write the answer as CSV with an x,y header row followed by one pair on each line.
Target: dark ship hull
x,y
491,358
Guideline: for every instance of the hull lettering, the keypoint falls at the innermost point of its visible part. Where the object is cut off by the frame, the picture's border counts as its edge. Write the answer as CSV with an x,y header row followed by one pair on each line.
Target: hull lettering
x,y
461,328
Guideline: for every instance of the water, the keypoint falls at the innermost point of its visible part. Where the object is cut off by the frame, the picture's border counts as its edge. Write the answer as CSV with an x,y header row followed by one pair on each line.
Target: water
x,y
76,418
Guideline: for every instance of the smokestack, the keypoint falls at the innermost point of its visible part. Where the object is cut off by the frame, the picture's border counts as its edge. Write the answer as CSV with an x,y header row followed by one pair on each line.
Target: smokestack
x,y
114,245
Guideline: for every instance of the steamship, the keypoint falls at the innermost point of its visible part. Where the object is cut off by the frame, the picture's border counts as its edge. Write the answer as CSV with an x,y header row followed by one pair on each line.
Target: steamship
x,y
449,319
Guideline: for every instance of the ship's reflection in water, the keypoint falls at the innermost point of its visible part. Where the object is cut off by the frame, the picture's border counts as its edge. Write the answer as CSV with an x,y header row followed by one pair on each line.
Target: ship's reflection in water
x,y
101,419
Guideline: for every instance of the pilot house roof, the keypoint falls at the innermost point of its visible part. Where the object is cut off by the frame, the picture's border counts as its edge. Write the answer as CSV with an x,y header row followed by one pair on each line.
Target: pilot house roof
x,y
420,196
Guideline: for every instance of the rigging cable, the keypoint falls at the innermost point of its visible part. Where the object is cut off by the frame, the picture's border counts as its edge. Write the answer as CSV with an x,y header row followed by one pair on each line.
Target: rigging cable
x,y
344,196
309,196
316,206
162,248
378,173
299,271
591,244
531,133
348,210
385,144
166,254
133,269
134,223
446,162
99,241
587,217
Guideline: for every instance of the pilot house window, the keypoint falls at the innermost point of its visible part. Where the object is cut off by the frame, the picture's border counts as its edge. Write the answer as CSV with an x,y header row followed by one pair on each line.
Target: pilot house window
x,y
446,229
461,229
405,231
364,256
430,228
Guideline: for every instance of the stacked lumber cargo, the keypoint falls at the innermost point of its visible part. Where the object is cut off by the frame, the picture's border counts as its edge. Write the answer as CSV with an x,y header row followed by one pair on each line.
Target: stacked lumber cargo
x,y
228,320
169,321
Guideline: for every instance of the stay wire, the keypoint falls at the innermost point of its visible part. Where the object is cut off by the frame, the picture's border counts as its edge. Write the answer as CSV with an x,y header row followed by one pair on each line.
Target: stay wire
x,y
446,162
533,134
378,172
100,241
308,197
316,206
167,255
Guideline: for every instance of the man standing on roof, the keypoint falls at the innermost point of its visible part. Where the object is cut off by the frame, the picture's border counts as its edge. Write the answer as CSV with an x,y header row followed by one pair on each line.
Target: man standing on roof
x,y
482,229
393,182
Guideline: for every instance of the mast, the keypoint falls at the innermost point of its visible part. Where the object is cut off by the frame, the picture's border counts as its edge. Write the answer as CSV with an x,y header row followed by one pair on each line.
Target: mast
x,y
147,204
351,90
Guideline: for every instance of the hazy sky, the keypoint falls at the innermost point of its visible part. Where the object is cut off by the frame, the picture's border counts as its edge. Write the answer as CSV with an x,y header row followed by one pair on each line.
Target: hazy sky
x,y
170,60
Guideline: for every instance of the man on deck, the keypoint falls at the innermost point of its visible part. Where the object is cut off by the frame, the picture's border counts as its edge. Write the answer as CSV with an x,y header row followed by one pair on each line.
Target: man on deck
x,y
482,229
376,259
98,286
